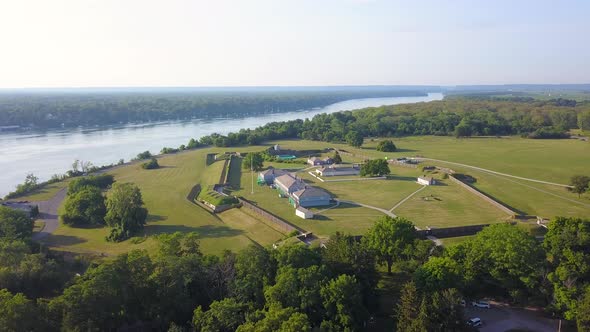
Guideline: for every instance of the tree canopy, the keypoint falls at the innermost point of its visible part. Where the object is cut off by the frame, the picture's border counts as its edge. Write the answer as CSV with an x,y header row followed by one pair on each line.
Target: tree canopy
x,y
125,212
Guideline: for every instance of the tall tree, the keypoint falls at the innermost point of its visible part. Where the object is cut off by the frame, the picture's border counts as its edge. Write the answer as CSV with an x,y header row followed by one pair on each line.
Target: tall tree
x,y
410,311
125,212
84,207
567,244
391,239
15,224
17,313
386,146
438,273
354,138
580,184
342,297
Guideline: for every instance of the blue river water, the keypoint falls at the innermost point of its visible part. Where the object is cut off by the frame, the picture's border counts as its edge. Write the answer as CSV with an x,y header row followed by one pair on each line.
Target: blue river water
x,y
52,152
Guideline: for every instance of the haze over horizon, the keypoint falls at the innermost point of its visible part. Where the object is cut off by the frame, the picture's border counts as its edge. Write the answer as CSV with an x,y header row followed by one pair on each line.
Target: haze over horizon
x,y
182,43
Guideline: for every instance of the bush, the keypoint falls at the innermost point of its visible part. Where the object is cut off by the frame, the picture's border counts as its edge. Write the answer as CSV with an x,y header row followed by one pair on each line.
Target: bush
x,y
101,181
144,155
386,146
152,164
548,133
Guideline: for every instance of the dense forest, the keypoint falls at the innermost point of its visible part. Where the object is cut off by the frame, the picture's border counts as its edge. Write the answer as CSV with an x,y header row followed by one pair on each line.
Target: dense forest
x,y
458,116
89,108
333,287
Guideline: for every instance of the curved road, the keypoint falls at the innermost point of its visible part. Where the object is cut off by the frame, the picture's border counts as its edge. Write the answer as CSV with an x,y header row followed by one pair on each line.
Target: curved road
x,y
48,214
497,173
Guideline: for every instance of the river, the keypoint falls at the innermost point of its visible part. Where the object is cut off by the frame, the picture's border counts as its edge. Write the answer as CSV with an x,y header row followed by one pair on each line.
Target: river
x,y
44,153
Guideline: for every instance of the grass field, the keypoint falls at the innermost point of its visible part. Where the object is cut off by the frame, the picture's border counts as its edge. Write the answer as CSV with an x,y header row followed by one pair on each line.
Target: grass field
x,y
165,189
44,193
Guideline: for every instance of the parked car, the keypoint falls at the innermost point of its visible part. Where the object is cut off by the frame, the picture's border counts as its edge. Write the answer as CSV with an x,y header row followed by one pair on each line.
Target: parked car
x,y
475,322
481,304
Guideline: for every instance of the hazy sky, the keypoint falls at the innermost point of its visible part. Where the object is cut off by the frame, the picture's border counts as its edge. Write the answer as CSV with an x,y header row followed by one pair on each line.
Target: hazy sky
x,y
72,43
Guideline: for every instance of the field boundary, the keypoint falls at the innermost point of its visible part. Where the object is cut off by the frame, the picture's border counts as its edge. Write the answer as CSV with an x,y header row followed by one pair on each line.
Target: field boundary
x,y
286,226
485,197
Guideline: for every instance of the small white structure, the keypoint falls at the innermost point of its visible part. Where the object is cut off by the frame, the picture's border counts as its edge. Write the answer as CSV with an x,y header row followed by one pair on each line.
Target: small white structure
x,y
304,213
426,180
277,147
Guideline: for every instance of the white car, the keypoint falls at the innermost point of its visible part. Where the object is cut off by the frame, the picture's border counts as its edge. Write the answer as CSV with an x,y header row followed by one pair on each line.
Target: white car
x,y
481,304
475,322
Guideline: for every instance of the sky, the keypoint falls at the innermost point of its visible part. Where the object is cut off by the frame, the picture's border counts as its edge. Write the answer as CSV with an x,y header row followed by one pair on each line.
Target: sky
x,y
122,43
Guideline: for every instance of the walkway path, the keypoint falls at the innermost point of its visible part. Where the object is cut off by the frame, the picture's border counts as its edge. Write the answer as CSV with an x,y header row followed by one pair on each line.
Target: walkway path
x,y
497,173
48,214
407,197
389,213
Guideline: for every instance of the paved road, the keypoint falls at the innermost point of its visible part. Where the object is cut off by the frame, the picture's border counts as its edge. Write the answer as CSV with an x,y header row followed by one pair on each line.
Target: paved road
x,y
498,173
48,214
501,318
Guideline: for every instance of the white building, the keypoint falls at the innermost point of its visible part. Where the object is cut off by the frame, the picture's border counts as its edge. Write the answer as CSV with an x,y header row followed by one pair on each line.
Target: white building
x,y
338,171
304,213
426,180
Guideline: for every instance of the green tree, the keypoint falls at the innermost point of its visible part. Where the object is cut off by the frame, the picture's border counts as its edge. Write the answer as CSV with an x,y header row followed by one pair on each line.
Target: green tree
x,y
567,244
375,167
224,316
254,269
337,158
84,207
580,184
391,239
504,256
444,311
354,138
462,130
15,224
411,310
276,319
17,313
342,300
151,164
583,314
386,146
254,161
102,181
584,120
438,273
125,212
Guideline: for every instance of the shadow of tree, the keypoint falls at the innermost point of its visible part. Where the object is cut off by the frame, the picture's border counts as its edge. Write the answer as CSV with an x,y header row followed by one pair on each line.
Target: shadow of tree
x,y
205,231
63,240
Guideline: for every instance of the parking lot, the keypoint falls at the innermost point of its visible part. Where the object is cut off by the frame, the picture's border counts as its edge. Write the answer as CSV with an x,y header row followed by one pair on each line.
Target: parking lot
x,y
501,318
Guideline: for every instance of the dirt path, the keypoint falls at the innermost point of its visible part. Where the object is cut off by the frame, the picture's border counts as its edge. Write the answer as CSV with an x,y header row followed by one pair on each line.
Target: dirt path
x,y
48,214
405,199
389,213
497,173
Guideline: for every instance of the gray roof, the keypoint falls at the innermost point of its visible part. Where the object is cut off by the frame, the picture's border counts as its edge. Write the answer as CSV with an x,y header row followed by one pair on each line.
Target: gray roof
x,y
311,192
288,180
274,171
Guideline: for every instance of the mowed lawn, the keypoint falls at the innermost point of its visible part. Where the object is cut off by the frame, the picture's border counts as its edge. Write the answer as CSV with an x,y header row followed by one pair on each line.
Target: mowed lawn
x,y
164,192
448,204
532,198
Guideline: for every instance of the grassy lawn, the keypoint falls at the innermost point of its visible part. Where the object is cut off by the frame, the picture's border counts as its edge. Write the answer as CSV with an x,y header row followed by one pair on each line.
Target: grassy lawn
x,y
164,192
254,228
44,193
532,198
447,204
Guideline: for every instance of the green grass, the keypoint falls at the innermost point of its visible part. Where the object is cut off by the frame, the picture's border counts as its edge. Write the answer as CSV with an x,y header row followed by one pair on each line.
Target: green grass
x,y
44,193
453,241
447,204
215,198
164,191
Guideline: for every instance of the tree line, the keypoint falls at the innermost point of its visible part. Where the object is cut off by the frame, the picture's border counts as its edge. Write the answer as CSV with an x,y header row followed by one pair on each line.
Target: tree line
x,y
51,110
460,117
334,287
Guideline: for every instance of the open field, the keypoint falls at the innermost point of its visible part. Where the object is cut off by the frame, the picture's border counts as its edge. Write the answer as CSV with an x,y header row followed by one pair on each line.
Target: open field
x,y
447,204
165,189
44,193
